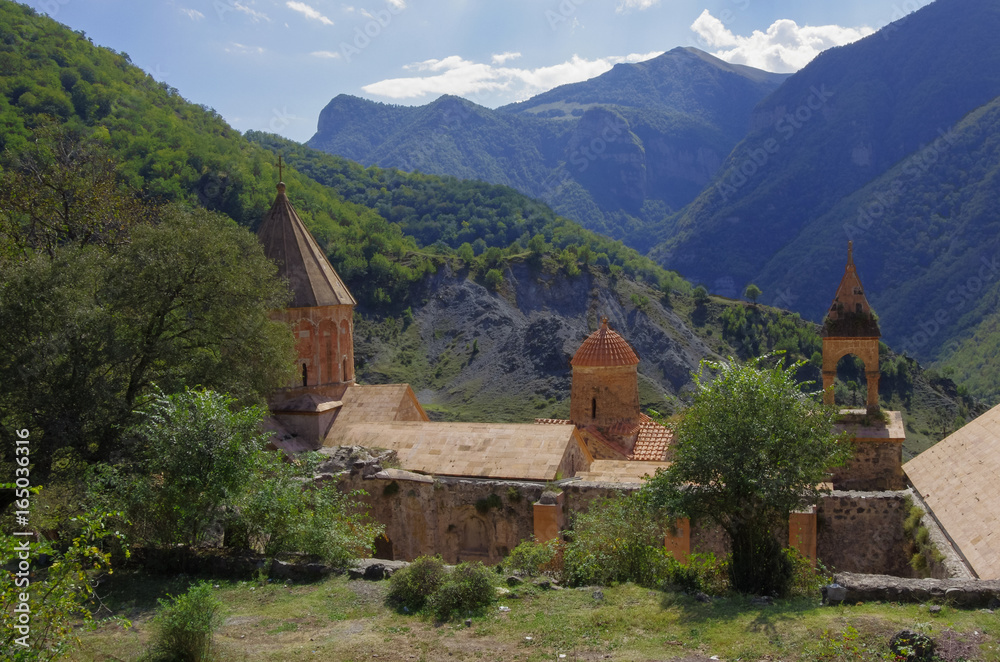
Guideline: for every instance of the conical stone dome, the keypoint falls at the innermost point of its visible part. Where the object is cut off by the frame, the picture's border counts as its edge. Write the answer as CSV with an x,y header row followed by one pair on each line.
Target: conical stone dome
x,y
604,348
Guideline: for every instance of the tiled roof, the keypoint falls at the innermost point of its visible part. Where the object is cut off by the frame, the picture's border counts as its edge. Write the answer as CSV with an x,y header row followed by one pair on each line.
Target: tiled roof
x,y
486,450
552,421
604,347
958,478
850,314
292,247
653,442
620,471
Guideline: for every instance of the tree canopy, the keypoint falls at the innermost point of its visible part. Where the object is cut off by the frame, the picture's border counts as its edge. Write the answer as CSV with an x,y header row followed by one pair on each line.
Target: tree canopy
x,y
751,449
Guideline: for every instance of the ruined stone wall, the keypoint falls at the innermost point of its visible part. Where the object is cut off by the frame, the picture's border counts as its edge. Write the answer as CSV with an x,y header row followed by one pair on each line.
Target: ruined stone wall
x,y
856,531
876,465
439,516
863,532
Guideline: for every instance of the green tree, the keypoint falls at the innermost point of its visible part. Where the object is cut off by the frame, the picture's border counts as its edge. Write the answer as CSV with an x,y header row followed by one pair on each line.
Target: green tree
x,y
700,294
751,449
752,293
198,455
58,595
494,279
85,331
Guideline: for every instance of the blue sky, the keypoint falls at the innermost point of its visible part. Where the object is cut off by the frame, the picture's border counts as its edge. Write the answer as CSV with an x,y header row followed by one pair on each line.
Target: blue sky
x,y
272,65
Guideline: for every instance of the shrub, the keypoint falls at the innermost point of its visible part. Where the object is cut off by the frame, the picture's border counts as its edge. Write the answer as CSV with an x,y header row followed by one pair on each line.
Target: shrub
x,y
468,589
530,556
484,505
185,625
807,580
494,279
702,572
411,586
616,541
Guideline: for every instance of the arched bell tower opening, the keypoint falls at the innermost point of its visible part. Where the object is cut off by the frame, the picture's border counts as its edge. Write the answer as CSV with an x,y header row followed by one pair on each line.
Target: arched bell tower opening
x,y
851,328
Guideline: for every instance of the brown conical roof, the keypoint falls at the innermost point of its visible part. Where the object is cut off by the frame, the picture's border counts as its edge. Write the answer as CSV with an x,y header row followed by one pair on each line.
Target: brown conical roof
x,y
299,258
604,347
850,314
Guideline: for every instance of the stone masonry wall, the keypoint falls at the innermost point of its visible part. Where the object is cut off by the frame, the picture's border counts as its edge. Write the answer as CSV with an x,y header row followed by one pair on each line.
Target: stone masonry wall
x,y
863,532
876,465
856,531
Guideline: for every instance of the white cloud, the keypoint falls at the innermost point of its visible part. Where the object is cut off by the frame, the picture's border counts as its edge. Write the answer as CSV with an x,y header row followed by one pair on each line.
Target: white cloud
x,y
785,46
398,4
193,14
455,75
253,14
500,58
308,12
237,48
628,5
325,54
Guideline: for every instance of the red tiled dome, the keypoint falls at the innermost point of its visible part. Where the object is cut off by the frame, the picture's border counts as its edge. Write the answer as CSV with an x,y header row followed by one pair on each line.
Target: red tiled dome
x,y
604,347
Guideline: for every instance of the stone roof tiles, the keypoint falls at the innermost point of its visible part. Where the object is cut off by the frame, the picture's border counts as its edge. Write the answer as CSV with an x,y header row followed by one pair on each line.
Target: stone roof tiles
x,y
653,441
957,479
300,260
850,314
603,348
620,471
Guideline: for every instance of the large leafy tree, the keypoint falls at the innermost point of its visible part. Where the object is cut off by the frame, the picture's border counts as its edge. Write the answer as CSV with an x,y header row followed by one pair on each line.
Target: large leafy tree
x,y
751,449
86,330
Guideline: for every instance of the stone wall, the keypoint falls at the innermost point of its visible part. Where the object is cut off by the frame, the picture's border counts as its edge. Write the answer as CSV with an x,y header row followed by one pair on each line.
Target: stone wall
x,y
863,532
876,465
856,531
969,593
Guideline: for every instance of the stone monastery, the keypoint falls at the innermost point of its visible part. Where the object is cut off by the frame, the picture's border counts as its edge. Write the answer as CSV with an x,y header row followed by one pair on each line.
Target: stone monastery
x,y
475,490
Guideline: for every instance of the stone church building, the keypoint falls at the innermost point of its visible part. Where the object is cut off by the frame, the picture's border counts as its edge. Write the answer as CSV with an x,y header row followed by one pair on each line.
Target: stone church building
x,y
606,444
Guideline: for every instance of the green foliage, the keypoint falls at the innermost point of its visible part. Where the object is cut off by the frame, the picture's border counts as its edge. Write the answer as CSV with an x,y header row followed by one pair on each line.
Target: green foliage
x,y
85,330
752,292
185,625
197,456
494,279
58,594
468,589
700,573
750,449
487,503
616,540
700,294
410,587
530,556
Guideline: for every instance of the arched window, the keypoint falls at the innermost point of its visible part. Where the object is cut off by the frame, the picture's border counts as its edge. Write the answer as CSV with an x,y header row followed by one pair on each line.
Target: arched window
x,y
345,370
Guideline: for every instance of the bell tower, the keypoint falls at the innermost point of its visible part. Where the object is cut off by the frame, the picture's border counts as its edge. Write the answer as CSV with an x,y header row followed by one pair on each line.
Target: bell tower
x,y
851,327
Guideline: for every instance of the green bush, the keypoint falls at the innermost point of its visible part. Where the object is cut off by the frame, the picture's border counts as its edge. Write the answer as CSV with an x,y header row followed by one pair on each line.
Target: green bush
x,y
410,587
617,540
185,625
469,588
807,580
530,556
702,573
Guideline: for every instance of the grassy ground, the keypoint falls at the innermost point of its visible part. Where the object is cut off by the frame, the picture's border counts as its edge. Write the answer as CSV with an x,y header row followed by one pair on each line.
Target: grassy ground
x,y
341,620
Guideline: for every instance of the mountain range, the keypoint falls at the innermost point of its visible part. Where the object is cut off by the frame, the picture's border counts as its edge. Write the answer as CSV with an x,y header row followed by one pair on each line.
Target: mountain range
x,y
730,175
615,153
